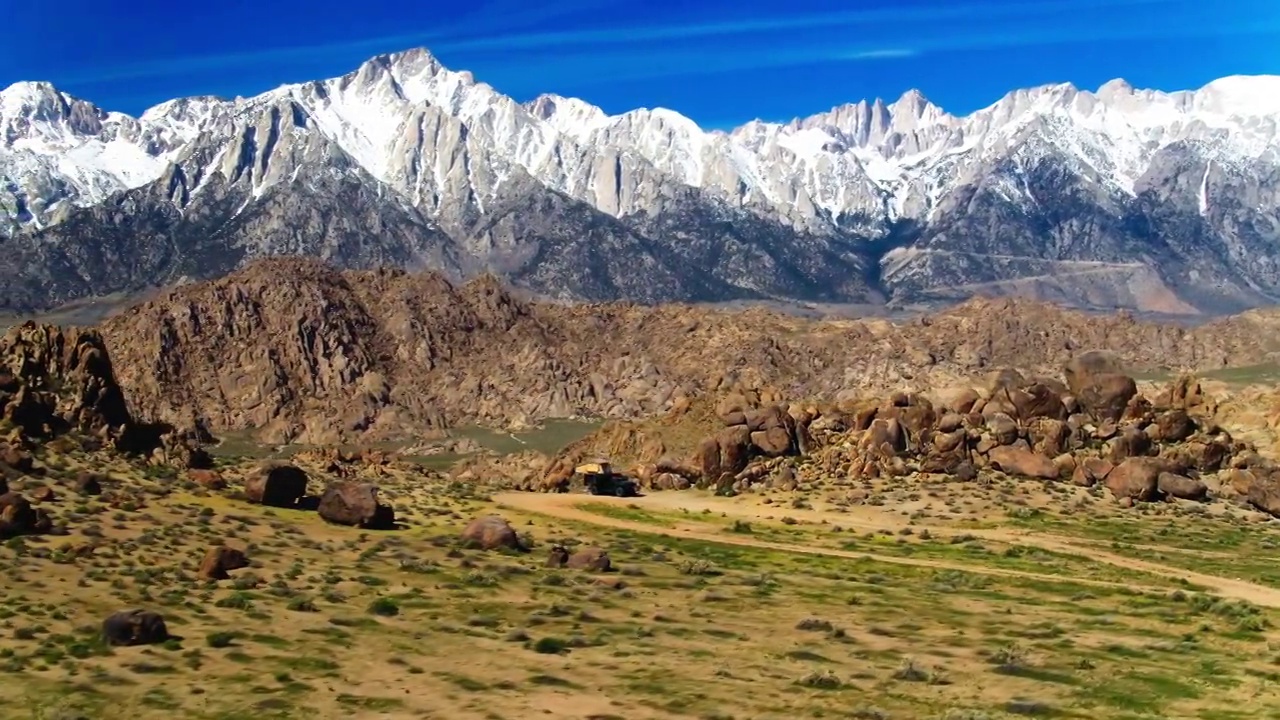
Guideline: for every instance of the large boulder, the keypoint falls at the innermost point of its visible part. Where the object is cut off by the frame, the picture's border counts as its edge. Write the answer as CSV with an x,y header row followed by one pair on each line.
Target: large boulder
x,y
946,442
732,409
134,627
1004,429
558,557
884,436
1132,442
220,561
16,458
959,401
1173,426
1048,436
207,479
765,418
724,454
1036,401
1182,487
1263,494
357,505
1106,397
1136,478
277,485
492,533
18,517
1017,461
89,483
1084,369
593,559
1090,471
774,442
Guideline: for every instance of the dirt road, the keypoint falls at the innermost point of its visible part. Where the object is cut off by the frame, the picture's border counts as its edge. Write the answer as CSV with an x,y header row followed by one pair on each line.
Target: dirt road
x,y
566,506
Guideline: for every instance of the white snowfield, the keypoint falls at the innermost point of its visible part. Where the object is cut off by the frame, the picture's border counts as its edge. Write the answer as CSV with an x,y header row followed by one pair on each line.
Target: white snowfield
x,y
437,136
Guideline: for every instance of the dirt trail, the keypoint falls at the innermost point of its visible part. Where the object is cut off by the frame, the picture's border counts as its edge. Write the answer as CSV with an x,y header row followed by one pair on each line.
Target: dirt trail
x,y
565,506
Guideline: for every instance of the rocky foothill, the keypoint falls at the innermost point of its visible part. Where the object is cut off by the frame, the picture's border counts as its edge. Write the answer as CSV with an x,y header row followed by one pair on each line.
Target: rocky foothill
x,y
1088,426
296,351
58,386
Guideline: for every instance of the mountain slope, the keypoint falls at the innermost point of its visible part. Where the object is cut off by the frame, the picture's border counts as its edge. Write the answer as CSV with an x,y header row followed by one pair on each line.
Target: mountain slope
x,y
298,350
1120,197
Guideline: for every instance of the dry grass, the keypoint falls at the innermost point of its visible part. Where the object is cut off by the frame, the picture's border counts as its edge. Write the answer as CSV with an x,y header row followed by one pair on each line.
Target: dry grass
x,y
333,622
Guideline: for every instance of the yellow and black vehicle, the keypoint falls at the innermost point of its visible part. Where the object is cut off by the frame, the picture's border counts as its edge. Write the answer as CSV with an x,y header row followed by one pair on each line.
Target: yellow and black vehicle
x,y
600,479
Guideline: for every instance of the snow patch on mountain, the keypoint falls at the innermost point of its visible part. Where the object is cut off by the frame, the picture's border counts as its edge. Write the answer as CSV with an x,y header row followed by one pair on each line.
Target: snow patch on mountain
x,y
869,159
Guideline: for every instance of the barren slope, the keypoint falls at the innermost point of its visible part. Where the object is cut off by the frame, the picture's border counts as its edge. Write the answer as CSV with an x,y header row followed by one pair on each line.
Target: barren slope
x,y
305,352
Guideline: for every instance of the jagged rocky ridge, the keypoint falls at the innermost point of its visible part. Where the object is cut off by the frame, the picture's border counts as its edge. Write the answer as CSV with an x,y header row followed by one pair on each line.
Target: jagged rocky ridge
x,y
300,351
1114,198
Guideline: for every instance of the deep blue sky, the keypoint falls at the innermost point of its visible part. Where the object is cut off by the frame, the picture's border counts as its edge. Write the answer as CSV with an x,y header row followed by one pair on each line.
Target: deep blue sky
x,y
722,62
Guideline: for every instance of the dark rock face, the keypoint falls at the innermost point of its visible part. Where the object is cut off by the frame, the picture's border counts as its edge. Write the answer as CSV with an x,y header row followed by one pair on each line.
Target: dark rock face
x,y
277,485
357,505
61,381
135,627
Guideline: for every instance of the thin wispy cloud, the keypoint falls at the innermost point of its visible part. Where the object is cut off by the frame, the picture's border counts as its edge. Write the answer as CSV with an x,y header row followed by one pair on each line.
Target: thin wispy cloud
x,y
628,65
496,16
490,28
1051,24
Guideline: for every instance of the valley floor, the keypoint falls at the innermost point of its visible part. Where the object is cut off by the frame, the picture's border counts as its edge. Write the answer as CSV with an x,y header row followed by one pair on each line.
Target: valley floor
x,y
962,601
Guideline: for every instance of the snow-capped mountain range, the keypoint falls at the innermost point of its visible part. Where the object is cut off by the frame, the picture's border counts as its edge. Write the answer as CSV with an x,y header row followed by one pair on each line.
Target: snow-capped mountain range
x,y
1119,197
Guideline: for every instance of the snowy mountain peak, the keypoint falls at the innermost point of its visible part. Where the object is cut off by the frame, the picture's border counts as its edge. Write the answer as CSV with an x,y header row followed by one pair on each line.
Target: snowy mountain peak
x,y
404,128
571,116
1246,95
27,92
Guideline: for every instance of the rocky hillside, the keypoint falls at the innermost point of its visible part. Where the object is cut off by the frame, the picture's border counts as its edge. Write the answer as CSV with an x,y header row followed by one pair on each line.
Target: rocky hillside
x,y
1119,197
297,350
1090,426
56,382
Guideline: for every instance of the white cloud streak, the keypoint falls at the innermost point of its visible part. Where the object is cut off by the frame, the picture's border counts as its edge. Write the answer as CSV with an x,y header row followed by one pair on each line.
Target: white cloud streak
x,y
487,29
